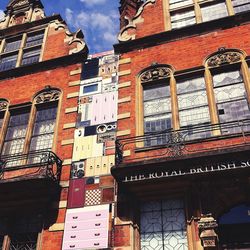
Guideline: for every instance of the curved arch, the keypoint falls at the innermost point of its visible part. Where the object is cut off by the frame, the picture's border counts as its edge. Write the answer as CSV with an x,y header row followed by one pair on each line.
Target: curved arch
x,y
155,72
48,94
223,57
4,103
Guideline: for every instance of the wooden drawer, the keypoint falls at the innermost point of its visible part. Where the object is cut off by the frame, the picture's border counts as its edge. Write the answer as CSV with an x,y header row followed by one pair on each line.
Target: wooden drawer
x,y
89,244
87,213
73,236
86,225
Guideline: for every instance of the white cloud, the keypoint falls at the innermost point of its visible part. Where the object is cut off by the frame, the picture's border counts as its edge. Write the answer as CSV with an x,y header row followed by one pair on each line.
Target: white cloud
x,y
1,14
93,2
69,16
100,29
110,37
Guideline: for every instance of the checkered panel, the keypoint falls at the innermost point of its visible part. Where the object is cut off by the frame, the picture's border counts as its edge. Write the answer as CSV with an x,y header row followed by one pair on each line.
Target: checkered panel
x,y
93,197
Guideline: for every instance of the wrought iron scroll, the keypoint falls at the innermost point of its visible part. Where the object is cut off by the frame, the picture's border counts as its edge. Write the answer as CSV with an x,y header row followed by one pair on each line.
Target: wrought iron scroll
x,y
119,152
44,163
176,142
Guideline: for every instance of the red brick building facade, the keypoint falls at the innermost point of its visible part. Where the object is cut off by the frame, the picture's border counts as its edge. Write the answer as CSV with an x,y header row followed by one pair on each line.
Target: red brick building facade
x,y
183,118
40,64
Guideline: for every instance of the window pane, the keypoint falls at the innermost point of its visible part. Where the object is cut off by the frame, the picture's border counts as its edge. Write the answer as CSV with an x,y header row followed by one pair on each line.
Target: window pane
x,y
213,12
16,132
90,88
182,19
193,106
194,116
179,3
157,106
12,45
241,5
190,85
32,56
157,123
34,39
8,62
163,225
158,91
230,95
227,78
43,132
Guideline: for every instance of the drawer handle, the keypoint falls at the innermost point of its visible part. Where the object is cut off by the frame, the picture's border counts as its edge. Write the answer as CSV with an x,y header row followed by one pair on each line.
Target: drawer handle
x,y
72,246
98,224
75,217
97,234
98,215
74,226
73,236
96,244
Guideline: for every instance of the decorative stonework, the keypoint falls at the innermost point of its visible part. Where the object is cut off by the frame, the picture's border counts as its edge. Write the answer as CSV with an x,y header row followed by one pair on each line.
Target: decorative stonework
x,y
77,37
3,105
207,226
223,57
128,32
47,95
20,3
156,73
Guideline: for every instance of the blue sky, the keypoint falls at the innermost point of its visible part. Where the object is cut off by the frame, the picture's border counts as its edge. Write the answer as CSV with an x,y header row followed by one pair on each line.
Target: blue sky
x,y
98,19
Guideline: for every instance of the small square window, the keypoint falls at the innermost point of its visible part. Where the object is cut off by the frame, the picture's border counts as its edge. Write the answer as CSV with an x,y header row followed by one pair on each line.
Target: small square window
x,y
90,88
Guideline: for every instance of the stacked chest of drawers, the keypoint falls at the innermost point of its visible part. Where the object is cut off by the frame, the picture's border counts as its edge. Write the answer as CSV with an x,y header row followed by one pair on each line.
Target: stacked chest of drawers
x,y
86,228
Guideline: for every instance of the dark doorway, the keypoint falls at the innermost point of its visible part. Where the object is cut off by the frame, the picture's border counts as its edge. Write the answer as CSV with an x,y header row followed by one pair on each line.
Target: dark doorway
x,y
234,228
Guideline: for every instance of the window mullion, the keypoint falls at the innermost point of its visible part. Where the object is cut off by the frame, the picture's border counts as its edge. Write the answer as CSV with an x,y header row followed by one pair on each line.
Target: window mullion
x,y
197,10
43,44
4,129
174,104
29,129
20,53
211,100
246,77
2,46
230,8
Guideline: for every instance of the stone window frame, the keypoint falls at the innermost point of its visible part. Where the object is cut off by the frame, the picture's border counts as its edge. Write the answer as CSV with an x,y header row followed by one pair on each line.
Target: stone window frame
x,y
222,59
196,6
44,98
22,49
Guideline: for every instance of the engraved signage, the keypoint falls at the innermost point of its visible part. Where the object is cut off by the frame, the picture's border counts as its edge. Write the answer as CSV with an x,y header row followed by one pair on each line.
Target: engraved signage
x,y
189,171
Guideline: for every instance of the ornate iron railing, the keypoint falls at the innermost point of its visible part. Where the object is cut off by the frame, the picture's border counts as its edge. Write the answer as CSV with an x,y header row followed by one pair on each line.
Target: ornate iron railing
x,y
176,142
37,163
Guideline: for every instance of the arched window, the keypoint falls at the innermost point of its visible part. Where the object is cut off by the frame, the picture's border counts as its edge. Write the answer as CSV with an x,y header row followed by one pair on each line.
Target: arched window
x,y
39,118
229,88
156,102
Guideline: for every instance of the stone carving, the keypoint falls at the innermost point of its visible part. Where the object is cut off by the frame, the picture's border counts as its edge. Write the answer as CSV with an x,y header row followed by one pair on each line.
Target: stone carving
x,y
3,105
128,32
224,56
207,226
156,73
47,95
77,37
20,3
